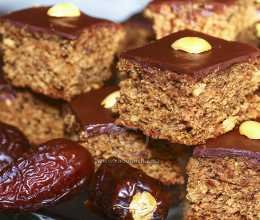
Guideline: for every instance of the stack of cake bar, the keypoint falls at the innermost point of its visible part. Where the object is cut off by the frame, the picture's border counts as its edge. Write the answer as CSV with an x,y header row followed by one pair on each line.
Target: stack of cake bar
x,y
189,98
55,58
196,87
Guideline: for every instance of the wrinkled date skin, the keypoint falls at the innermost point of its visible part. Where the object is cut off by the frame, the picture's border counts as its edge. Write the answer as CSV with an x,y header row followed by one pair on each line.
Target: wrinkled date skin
x,y
42,178
13,144
114,186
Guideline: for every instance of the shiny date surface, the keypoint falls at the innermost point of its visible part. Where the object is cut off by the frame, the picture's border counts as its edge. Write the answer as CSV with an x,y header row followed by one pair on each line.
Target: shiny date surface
x,y
44,177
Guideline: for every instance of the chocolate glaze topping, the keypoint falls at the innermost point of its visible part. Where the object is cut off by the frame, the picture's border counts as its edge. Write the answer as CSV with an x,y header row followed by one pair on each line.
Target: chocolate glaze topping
x,y
91,115
36,20
161,55
229,144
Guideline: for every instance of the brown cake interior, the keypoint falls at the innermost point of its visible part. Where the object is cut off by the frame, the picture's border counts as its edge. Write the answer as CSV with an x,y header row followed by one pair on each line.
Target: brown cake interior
x,y
38,118
186,98
223,188
224,178
98,133
166,109
132,148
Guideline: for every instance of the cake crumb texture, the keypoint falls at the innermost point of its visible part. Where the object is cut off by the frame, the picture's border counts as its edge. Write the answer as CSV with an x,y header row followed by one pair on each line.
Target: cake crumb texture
x,y
37,118
164,107
132,148
157,160
227,23
58,67
223,188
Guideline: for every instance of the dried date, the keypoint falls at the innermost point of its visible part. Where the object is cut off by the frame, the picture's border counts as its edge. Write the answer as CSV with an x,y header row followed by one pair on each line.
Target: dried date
x,y
120,191
42,178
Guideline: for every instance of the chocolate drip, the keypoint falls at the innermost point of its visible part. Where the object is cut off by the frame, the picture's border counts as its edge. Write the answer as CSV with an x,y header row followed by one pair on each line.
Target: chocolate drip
x,y
36,20
161,55
91,115
229,144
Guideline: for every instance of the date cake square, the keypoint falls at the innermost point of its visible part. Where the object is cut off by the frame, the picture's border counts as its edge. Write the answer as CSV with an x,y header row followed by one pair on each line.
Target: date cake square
x,y
89,120
224,176
60,56
188,87
220,18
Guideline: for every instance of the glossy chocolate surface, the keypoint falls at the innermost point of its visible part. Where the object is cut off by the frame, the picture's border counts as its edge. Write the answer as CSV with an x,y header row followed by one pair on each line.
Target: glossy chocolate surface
x,y
161,55
36,20
115,184
229,144
91,115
